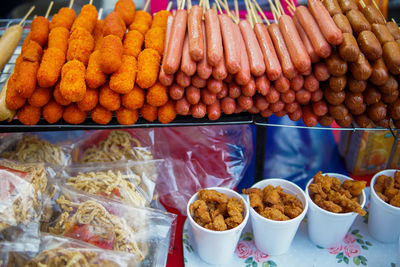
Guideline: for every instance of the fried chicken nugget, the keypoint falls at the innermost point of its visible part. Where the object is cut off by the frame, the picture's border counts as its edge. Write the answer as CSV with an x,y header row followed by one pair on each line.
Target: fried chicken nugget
x,y
235,209
142,22
80,46
101,115
111,54
58,96
40,97
73,85
32,52
114,25
148,67
90,100
52,112
274,214
73,115
213,196
26,78
157,95
109,99
324,180
218,224
127,116
167,112
133,43
134,99
86,19
154,39
98,34
64,18
200,212
58,38
123,80
29,115
13,99
50,67
355,187
160,19
271,195
256,198
149,112
94,76
126,9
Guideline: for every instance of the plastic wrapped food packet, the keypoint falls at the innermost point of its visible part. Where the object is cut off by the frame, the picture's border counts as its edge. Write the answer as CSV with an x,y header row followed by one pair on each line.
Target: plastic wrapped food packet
x,y
17,253
142,232
121,181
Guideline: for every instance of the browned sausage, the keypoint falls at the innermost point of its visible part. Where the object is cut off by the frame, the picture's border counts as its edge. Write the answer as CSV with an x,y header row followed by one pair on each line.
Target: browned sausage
x,y
228,105
389,86
339,112
373,15
250,88
260,102
273,95
232,56
332,6
214,111
311,83
306,41
354,100
343,23
360,110
337,84
234,90
282,84
356,86
267,113
296,115
214,40
176,92
303,96
243,76
297,83
192,95
195,33
336,65
371,95
321,71
320,108
198,111
317,95
164,78
207,97
361,69
288,97
224,92
347,5
390,98
325,120
277,106
214,86
380,73
391,56
377,111
188,65
182,79
363,121
349,49
204,70
198,82
346,121
219,71
245,102
382,33
334,98
394,110
394,29
369,45
182,107
291,107
357,21
262,85
309,118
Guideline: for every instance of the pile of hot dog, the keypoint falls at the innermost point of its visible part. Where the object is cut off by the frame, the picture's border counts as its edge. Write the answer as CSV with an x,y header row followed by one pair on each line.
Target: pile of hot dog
x,y
334,60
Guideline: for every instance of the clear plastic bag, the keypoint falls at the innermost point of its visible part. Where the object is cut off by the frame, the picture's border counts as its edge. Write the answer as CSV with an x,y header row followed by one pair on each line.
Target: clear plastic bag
x,y
62,251
143,232
200,157
17,253
122,181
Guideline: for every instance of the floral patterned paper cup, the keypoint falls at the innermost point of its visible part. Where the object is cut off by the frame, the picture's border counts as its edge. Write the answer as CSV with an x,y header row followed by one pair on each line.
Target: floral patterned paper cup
x,y
217,247
384,219
327,229
275,237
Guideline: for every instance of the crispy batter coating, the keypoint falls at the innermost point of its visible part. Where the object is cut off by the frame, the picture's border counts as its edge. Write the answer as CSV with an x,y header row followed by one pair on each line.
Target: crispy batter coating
x,y
160,19
90,100
41,96
80,46
123,80
235,208
142,22
26,78
213,196
157,95
114,25
32,52
127,116
126,9
94,76
133,43
86,19
148,67
50,67
154,39
29,115
58,96
52,112
167,112
134,99
327,194
98,34
101,115
109,99
73,115
13,99
64,18
73,85
149,112
388,188
58,38
273,203
111,54
40,30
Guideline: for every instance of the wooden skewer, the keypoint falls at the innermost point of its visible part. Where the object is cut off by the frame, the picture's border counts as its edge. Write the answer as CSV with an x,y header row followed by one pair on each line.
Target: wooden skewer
x,y
219,8
146,6
169,6
227,9
261,12
208,5
236,8
377,7
290,7
100,13
248,17
183,4
189,4
71,3
27,15
280,8
90,2
214,6
49,9
362,4
253,13
201,3
273,10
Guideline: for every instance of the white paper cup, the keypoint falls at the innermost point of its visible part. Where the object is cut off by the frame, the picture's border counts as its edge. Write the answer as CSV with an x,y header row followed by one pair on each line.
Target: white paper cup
x,y
275,237
383,220
327,229
217,247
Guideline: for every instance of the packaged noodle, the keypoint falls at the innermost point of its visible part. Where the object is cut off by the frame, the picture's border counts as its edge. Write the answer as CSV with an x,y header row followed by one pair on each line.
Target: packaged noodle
x,y
17,253
110,225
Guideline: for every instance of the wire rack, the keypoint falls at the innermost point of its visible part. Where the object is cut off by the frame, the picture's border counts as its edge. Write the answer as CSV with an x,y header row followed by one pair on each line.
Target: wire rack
x,y
180,121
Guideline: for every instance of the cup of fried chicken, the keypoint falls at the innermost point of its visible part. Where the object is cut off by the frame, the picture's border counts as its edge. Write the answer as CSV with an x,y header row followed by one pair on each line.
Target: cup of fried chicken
x,y
217,217
277,208
384,210
335,201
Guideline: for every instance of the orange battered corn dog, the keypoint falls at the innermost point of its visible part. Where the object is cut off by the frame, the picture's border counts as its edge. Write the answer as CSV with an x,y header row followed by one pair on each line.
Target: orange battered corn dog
x,y
133,42
127,116
80,45
50,67
26,78
148,67
111,54
167,113
154,39
58,96
157,95
40,97
86,19
32,52
29,115
64,18
52,112
126,9
109,99
160,19
13,99
40,30
26,42
123,80
90,100
58,38
94,76
142,22
73,115
114,25
101,115
149,112
72,85
134,99
98,34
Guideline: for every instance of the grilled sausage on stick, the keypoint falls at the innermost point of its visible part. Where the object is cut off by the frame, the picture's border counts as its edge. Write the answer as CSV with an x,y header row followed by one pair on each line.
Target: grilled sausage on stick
x,y
213,36
166,79
195,32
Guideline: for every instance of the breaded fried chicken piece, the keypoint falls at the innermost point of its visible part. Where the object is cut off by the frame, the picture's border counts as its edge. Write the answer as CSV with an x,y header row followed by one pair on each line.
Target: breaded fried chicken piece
x,y
324,180
235,209
330,206
274,214
200,212
271,195
355,187
212,195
